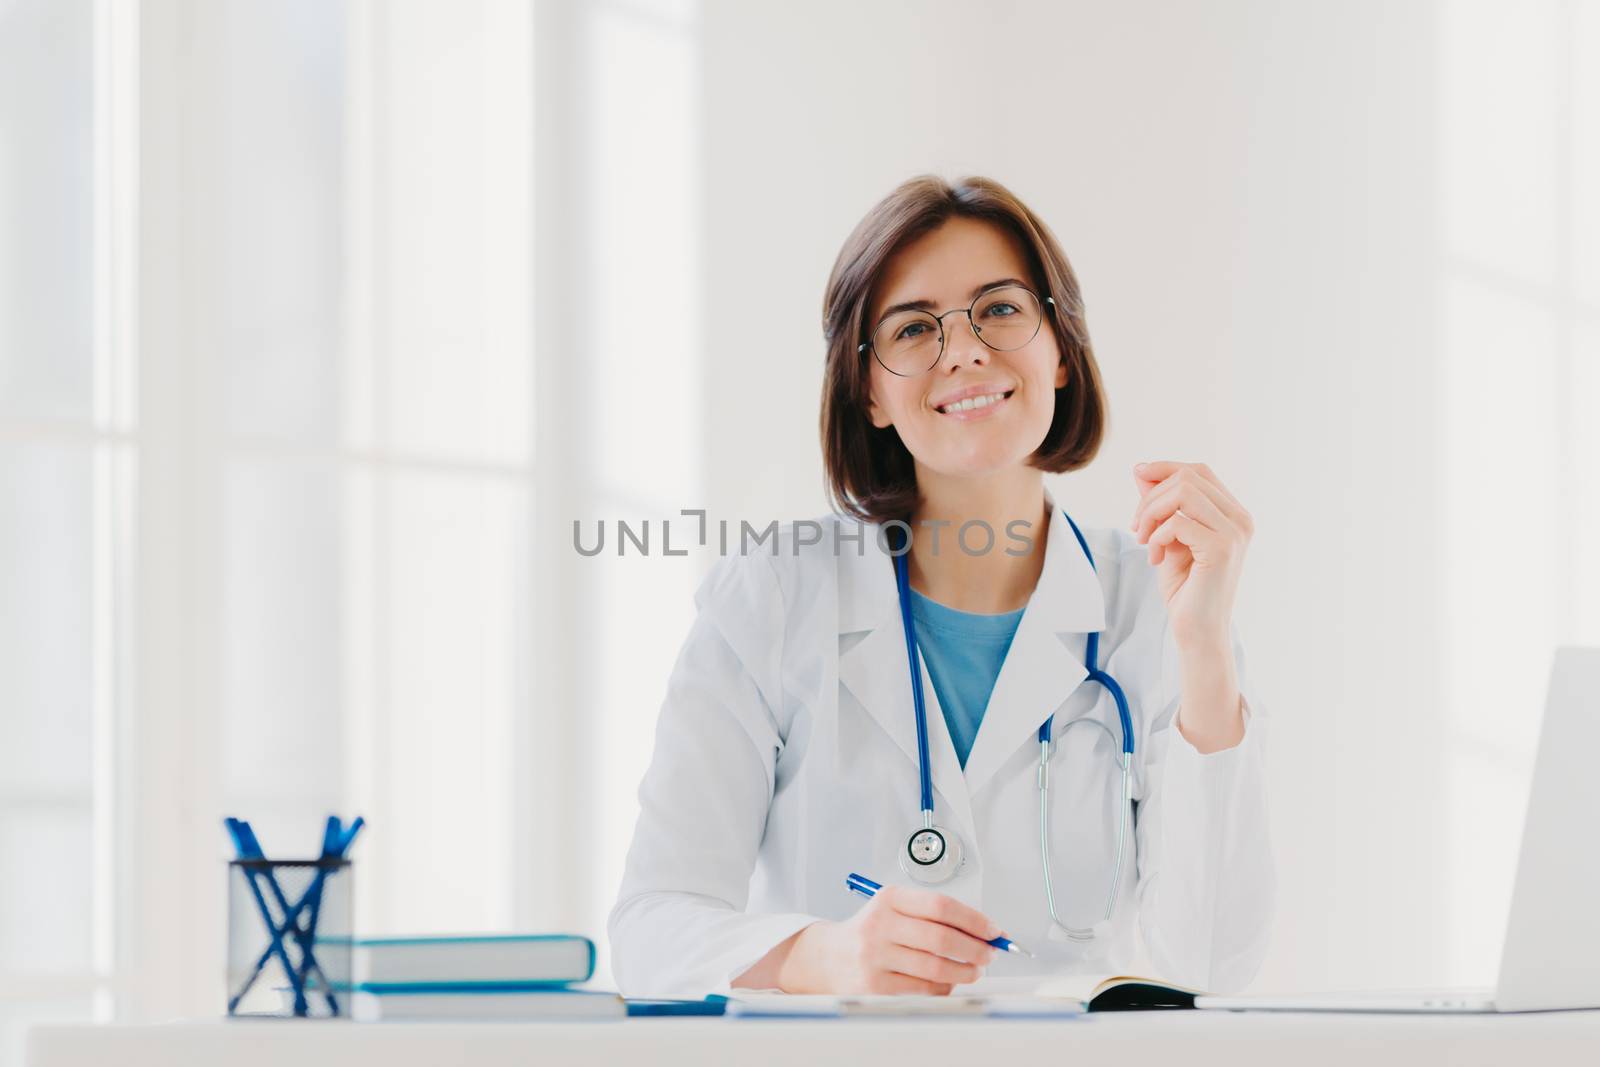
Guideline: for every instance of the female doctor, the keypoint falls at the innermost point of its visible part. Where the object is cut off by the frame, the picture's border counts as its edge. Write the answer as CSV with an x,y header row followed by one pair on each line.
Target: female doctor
x,y
1017,725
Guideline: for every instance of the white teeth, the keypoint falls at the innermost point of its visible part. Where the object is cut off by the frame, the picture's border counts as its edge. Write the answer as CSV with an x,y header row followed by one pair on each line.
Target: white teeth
x,y
973,402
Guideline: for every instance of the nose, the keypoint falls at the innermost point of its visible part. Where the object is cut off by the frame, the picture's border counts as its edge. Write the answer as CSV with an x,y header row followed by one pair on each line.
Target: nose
x,y
961,343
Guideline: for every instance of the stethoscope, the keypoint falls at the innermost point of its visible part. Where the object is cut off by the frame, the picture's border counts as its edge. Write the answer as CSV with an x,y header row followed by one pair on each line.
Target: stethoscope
x,y
933,853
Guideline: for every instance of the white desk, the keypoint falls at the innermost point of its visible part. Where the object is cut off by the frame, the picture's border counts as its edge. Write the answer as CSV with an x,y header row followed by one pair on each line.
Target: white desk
x,y
1167,1039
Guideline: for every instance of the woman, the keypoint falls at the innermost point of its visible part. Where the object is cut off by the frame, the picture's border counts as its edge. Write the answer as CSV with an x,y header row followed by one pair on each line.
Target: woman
x,y
790,750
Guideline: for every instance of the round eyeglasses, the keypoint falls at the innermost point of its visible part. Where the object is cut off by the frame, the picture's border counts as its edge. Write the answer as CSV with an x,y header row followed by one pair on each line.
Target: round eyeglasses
x,y
911,342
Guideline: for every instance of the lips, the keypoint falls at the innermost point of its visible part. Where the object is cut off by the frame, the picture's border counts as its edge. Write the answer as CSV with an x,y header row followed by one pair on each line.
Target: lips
x,y
973,400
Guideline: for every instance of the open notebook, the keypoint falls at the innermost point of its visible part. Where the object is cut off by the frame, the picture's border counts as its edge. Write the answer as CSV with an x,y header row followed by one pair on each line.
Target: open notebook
x,y
1008,996
1122,992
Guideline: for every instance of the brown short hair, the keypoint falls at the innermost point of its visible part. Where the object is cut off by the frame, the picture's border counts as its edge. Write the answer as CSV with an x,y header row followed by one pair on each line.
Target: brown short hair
x,y
869,470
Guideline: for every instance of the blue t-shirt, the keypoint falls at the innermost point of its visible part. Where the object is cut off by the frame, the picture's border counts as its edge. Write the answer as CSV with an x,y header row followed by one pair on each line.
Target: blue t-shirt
x,y
964,651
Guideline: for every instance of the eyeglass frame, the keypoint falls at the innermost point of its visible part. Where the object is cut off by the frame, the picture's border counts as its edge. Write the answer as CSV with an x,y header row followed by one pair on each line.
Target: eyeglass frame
x,y
939,319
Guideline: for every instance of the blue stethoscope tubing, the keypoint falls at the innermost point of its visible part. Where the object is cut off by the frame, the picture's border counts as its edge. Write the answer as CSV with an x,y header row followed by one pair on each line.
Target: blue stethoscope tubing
x,y
924,763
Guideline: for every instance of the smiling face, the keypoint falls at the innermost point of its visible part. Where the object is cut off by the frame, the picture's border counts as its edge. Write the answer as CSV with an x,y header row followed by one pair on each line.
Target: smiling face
x,y
978,410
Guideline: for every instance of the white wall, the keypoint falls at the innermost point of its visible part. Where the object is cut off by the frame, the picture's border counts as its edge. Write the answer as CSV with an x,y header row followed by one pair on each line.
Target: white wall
x,y
1273,210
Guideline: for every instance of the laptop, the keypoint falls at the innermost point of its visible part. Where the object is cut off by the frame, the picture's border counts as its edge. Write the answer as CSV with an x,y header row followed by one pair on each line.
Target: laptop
x,y
1551,956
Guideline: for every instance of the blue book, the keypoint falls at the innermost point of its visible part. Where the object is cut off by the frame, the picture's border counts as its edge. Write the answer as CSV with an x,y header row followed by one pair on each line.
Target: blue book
x,y
491,963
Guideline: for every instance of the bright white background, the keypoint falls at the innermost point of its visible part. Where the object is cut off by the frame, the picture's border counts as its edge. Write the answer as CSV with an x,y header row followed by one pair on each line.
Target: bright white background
x,y
320,324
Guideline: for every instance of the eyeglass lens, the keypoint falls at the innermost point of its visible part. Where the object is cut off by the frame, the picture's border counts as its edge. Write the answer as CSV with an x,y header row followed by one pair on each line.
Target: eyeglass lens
x,y
910,342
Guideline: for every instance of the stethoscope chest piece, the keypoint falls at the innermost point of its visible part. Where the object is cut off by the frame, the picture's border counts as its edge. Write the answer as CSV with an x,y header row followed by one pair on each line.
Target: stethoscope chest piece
x,y
932,855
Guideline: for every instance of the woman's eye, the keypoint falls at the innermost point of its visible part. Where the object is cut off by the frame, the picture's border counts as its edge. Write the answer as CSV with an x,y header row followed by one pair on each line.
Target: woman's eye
x,y
1003,309
905,333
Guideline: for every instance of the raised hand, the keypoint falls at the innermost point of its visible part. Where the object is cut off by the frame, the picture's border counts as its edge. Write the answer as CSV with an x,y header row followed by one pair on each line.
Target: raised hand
x,y
1198,534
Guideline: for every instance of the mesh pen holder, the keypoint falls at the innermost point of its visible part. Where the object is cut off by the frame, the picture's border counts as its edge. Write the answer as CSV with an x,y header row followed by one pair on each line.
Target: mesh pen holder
x,y
289,937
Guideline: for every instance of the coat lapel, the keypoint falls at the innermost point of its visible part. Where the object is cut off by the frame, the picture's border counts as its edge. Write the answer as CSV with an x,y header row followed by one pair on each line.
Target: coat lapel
x,y
873,666
1045,662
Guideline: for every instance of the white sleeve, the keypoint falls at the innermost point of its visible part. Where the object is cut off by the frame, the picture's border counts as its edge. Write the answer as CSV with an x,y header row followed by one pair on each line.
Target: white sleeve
x,y
679,927
1206,880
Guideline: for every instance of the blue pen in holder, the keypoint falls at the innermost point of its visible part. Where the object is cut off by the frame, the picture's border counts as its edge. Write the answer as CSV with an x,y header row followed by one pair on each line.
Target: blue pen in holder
x,y
289,929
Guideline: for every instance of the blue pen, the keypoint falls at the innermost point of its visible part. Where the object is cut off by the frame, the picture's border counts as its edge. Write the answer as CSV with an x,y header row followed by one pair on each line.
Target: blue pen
x,y
864,886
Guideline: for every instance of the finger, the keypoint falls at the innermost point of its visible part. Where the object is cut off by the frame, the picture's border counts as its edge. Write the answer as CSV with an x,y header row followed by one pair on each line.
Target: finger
x,y
1184,495
925,965
1175,495
1160,470
1189,474
1224,498
1155,472
942,940
926,904
1182,529
1177,552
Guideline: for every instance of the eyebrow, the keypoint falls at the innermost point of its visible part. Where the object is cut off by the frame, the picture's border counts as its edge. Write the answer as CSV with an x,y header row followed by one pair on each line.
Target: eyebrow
x,y
927,305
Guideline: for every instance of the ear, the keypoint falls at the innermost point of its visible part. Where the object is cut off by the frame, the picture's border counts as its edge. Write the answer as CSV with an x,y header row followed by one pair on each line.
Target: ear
x,y
1061,372
875,411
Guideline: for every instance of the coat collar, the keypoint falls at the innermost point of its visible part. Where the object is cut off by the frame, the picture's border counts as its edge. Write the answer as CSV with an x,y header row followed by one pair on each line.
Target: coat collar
x,y
1041,669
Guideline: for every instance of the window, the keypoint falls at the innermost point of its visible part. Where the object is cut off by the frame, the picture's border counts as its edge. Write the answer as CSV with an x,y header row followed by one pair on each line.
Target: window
x,y
68,457
285,499
289,573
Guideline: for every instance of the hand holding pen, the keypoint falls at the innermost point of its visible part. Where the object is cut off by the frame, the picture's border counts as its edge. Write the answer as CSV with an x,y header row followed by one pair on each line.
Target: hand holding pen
x,y
905,940
861,885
